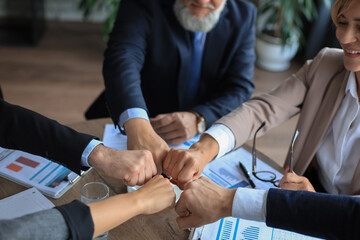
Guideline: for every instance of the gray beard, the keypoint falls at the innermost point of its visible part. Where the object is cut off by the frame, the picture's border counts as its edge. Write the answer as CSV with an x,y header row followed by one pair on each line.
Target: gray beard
x,y
195,24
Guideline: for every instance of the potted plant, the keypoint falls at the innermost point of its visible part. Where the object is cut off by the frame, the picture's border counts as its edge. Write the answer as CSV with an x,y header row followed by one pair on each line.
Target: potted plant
x,y
279,30
88,7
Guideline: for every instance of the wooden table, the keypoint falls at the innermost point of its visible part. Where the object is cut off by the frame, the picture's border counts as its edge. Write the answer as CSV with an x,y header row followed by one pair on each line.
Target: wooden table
x,y
157,226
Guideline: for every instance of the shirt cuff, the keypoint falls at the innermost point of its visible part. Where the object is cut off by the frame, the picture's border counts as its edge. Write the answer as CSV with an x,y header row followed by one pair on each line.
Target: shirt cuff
x,y
132,113
224,137
85,155
250,204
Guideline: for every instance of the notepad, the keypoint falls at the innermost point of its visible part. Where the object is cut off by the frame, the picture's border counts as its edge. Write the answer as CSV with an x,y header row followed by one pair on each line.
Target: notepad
x,y
50,178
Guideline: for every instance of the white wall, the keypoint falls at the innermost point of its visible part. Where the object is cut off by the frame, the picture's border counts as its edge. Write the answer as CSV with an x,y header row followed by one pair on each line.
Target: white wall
x,y
62,10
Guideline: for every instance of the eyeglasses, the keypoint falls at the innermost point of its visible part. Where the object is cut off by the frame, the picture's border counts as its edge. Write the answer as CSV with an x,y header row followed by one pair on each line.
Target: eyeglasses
x,y
264,176
268,176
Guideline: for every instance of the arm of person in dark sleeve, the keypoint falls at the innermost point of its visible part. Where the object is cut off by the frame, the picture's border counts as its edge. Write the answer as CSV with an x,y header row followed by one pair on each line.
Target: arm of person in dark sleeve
x,y
25,130
78,219
316,214
235,85
125,56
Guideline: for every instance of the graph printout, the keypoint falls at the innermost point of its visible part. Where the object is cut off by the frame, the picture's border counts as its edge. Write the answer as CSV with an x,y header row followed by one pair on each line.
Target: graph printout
x,y
225,171
31,170
239,229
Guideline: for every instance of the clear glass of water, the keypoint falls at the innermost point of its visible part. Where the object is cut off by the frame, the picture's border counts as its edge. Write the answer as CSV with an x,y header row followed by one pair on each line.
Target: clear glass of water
x,y
92,192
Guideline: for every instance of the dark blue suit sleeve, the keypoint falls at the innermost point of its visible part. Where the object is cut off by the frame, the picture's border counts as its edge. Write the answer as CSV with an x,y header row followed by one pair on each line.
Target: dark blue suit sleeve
x,y
25,130
124,58
234,83
78,219
316,214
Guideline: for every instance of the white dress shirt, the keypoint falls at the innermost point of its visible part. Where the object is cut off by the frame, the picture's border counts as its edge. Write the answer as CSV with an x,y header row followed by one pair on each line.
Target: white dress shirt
x,y
339,151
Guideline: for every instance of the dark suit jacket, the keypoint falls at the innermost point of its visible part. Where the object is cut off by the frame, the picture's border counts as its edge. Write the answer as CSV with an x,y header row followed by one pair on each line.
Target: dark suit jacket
x,y
149,51
31,132
316,214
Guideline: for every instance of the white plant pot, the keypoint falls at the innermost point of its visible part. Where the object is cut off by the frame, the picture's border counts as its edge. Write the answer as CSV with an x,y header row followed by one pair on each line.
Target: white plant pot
x,y
272,56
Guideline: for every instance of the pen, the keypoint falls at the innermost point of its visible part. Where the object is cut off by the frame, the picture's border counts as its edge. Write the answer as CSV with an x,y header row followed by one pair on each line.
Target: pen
x,y
243,169
291,164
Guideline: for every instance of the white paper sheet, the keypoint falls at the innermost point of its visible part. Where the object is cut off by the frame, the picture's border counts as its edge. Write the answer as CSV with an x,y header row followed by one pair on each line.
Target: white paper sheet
x,y
114,139
25,202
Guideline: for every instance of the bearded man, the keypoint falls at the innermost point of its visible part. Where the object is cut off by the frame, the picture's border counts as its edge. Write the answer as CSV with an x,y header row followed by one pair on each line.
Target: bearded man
x,y
173,67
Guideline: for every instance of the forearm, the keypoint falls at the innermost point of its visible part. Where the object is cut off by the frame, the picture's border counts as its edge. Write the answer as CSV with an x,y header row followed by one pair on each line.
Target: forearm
x,y
28,131
113,211
316,214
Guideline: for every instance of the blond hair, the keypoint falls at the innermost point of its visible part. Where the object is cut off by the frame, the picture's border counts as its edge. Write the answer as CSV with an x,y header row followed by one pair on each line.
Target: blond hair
x,y
338,8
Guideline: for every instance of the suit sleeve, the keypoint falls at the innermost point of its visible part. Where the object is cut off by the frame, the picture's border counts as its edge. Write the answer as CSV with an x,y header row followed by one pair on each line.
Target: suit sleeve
x,y
125,56
316,214
236,86
25,130
274,107
70,221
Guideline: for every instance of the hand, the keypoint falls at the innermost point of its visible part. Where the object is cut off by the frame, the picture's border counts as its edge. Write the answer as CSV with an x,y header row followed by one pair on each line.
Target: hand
x,y
133,167
291,181
187,165
175,128
156,195
203,202
141,136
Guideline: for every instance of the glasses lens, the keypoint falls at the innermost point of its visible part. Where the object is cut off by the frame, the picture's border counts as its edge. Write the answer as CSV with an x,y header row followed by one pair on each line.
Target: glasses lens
x,y
265,176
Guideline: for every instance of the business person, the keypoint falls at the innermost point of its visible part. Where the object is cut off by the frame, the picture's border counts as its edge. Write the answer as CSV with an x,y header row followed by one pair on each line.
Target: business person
x,y
86,221
31,132
153,68
325,92
316,214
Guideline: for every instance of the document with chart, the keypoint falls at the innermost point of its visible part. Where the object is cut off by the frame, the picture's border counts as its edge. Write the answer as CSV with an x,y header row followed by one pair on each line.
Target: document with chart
x,y
240,229
50,178
225,171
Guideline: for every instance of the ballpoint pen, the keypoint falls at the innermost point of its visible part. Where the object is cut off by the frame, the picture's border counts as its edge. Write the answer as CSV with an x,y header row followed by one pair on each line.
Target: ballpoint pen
x,y
291,163
243,169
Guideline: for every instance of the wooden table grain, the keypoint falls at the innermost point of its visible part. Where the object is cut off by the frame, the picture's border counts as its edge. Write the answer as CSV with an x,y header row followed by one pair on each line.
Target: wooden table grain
x,y
151,227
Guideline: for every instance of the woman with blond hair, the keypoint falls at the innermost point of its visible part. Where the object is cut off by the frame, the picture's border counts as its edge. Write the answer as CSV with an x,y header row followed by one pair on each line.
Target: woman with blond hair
x,y
325,93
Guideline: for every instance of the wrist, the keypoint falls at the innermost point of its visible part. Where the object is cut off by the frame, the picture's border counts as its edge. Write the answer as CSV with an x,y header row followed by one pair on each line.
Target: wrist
x,y
200,122
137,126
138,201
228,202
97,156
207,147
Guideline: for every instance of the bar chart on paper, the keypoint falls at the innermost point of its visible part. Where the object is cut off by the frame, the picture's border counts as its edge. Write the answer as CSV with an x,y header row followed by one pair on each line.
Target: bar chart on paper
x,y
30,170
238,229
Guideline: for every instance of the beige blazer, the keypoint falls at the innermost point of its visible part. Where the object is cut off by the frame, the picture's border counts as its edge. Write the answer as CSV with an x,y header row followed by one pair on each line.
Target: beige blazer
x,y
315,91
